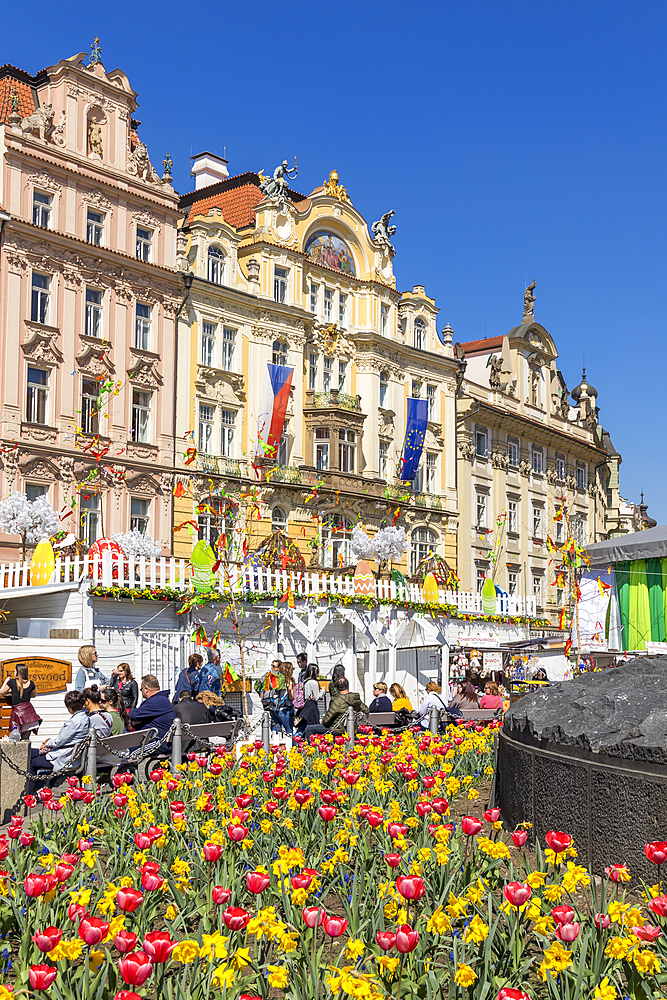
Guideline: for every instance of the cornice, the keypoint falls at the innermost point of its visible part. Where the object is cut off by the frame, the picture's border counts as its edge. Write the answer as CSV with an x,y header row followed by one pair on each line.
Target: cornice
x,y
506,416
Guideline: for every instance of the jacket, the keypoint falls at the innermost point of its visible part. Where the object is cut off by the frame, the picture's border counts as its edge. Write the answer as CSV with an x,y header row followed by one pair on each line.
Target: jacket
x,y
335,716
73,731
193,713
380,704
156,712
308,715
129,691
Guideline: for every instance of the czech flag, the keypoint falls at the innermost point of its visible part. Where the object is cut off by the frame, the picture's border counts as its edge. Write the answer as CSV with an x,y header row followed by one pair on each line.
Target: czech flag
x,y
272,408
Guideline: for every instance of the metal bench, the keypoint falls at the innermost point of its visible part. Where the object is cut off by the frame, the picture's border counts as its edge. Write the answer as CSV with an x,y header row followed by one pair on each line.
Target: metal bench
x,y
214,732
382,720
117,753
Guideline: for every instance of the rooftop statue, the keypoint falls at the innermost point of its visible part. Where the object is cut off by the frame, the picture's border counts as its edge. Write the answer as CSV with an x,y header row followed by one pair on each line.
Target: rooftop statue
x,y
382,231
276,186
529,304
334,188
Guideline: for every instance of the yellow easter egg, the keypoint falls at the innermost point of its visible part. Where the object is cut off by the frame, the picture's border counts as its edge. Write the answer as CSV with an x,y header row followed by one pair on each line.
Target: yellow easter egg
x,y
42,564
430,590
364,581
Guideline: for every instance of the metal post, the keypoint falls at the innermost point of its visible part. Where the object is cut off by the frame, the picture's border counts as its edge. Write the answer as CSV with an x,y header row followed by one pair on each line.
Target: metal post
x,y
266,732
92,755
434,720
176,745
350,724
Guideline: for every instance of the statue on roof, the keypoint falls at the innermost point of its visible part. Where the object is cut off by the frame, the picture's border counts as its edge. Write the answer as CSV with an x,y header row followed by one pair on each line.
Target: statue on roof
x,y
529,304
95,53
334,189
276,187
382,231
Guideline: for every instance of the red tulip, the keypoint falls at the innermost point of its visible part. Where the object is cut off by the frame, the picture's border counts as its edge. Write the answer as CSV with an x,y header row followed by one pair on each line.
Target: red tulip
x,y
334,926
519,837
602,921
386,940
440,806
30,801
156,775
92,930
517,893
158,945
256,881
328,796
411,887
76,911
237,833
128,900
220,896
280,793
4,848
406,939
41,976
647,933
63,872
327,813
507,993
424,808
492,815
177,807
83,844
243,801
656,851
314,916
301,880
48,939
127,995
350,777
35,885
393,860
563,914
119,799
558,841
44,794
151,880
26,839
270,806
428,781
135,968
239,816
568,932
302,795
125,941
659,905
235,918
143,841
374,819
615,872
212,852
471,826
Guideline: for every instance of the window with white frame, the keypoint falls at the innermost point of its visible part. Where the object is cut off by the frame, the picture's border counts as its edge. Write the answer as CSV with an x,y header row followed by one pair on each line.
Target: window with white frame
x,y
93,312
560,532
481,442
538,520
280,276
139,514
141,415
228,420
513,451
279,352
384,387
328,304
480,577
41,298
347,450
578,528
560,468
512,583
282,453
216,266
278,519
326,375
41,209
90,406
537,590
321,448
206,428
418,481
336,537
342,375
342,310
210,519
430,469
420,334
208,331
312,370
384,318
35,490
384,460
423,543
537,457
228,348
430,398
581,476
94,228
142,327
90,521
560,593
144,244
481,501
37,403
513,516
416,389
314,295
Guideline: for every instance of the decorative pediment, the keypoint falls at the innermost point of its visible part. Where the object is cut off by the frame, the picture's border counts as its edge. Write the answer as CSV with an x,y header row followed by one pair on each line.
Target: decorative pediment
x,y
144,371
147,218
95,199
93,358
43,179
41,345
221,386
142,483
39,468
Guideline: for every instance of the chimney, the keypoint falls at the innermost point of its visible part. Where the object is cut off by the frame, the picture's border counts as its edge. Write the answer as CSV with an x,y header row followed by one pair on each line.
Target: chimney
x,y
207,169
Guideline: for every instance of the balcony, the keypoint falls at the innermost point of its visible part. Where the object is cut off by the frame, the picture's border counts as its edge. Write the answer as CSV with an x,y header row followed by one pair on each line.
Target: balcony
x,y
218,465
283,474
336,400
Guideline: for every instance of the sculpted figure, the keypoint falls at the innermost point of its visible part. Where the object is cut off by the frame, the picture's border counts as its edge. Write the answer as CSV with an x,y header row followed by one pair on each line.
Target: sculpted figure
x,y
40,121
529,303
381,229
95,138
276,186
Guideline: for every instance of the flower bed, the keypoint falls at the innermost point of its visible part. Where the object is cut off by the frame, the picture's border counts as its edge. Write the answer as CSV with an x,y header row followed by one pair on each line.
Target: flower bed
x,y
327,872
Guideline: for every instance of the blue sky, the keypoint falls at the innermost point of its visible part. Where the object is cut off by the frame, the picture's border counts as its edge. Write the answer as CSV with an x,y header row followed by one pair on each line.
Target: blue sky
x,y
514,140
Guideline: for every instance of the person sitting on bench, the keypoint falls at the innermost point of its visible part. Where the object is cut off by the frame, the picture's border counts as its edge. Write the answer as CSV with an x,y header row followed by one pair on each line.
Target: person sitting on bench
x,y
380,702
334,720
56,753
156,710
191,712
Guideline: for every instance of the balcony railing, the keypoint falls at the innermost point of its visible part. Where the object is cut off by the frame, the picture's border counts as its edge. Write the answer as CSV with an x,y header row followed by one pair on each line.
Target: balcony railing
x,y
326,400
284,474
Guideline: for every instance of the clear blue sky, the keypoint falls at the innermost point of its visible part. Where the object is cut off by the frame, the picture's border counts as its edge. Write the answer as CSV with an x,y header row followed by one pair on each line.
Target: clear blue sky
x,y
514,140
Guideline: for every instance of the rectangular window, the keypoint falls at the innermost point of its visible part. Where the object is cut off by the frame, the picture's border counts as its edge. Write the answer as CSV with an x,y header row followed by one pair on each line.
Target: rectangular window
x,y
90,396
537,522
280,276
579,530
326,377
90,518
512,584
216,266
513,451
206,428
328,304
144,243
480,510
93,312
342,310
384,386
312,370
430,396
35,490
416,389
41,296
139,514
211,520
384,318
95,228
537,590
208,344
513,516
384,460
342,375
418,481
228,427
480,443
560,592
37,408
41,209
581,476
560,533
480,577
347,447
560,468
228,348
142,328
314,294
538,461
431,461
322,448
282,456
141,413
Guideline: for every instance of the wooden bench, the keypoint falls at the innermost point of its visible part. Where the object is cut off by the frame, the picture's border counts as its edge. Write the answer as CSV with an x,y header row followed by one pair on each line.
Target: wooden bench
x,y
382,720
214,732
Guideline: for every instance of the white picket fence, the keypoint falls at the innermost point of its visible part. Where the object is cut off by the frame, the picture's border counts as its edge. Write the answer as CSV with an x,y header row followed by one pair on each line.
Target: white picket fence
x,y
163,573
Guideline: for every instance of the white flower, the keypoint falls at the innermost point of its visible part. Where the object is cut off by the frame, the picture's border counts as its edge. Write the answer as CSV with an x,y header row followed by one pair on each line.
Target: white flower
x,y
361,544
135,544
389,543
33,520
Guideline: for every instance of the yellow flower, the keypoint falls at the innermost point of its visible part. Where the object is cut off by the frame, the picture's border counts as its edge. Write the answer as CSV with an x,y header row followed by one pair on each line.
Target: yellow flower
x,y
476,930
6,994
240,958
534,909
574,876
214,946
605,991
387,964
618,947
223,976
473,794
299,896
355,949
278,977
171,912
536,879
456,907
288,941
80,896
67,950
185,952
617,911
557,958
646,963
544,925
553,893
465,976
95,959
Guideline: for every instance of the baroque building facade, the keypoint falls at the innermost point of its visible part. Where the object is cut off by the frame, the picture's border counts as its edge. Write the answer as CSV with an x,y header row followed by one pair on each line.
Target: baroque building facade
x,y
301,281
89,295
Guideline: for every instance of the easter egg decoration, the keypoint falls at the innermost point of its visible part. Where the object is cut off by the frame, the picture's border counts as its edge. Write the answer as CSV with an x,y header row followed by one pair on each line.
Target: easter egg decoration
x,y
489,597
364,581
430,589
118,557
42,564
202,559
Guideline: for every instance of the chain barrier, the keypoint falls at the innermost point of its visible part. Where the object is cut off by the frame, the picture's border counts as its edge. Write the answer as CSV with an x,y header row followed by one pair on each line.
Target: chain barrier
x,y
145,750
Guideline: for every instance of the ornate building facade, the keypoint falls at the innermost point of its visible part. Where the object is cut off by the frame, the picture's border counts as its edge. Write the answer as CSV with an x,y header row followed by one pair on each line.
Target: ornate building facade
x,y
89,296
299,280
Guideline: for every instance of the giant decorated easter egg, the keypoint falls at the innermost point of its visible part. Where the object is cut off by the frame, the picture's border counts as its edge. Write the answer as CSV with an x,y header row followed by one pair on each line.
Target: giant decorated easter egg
x,y
489,597
364,581
430,589
43,564
102,545
202,560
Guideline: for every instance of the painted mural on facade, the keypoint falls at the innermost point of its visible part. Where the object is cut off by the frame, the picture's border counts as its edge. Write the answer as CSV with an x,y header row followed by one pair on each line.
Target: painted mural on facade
x,y
329,250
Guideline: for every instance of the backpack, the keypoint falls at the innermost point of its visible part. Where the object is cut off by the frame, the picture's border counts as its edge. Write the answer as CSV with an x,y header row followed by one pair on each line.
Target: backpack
x,y
299,699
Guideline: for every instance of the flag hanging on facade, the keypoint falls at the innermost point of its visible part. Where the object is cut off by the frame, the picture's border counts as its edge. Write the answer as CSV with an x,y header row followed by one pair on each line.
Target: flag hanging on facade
x,y
415,432
272,408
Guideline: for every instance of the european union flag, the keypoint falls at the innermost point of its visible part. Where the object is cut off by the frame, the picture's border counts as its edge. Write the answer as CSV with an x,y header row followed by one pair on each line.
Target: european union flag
x,y
415,432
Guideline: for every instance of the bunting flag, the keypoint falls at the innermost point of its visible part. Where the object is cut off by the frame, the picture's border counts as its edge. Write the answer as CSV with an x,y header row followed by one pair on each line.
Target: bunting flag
x,y
230,675
272,409
179,489
289,597
415,432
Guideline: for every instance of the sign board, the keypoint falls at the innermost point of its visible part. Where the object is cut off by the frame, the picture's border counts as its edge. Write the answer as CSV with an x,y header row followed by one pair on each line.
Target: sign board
x,y
49,675
656,648
493,660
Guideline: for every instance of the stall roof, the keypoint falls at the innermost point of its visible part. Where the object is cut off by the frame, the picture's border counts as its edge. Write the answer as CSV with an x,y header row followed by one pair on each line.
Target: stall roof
x,y
649,544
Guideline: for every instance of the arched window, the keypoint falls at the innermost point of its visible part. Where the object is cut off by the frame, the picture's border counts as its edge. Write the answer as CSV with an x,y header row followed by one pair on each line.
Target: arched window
x,y
336,538
279,353
423,541
216,265
420,334
278,519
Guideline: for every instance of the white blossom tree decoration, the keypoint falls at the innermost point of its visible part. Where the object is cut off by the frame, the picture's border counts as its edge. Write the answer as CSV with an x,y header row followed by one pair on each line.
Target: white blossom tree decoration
x,y
31,520
388,544
135,544
362,545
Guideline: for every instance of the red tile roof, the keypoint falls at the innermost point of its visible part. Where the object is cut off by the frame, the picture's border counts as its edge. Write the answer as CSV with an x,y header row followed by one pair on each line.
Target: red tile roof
x,y
24,94
475,346
236,197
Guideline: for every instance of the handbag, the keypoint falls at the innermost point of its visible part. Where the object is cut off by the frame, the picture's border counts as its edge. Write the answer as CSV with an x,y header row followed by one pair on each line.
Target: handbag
x,y
24,717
